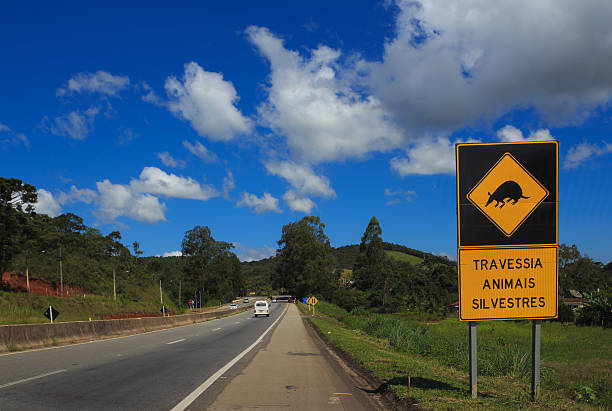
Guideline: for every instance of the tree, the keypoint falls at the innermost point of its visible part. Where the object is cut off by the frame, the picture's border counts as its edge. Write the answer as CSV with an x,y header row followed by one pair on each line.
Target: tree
x,y
579,272
136,247
14,218
202,249
369,264
305,262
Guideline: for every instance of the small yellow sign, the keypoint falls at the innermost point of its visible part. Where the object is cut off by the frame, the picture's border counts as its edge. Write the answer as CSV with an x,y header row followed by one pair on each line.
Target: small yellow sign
x,y
312,300
507,194
507,283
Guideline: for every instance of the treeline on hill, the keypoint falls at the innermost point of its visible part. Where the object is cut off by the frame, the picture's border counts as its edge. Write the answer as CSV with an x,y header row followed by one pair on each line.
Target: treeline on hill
x,y
306,264
34,242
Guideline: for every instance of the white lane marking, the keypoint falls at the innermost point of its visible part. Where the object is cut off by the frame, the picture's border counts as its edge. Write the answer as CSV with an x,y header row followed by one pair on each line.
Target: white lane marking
x,y
31,378
237,322
112,338
215,329
174,342
211,380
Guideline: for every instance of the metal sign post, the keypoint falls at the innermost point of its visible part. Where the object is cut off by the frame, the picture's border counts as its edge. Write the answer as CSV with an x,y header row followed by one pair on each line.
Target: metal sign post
x,y
473,360
535,359
508,238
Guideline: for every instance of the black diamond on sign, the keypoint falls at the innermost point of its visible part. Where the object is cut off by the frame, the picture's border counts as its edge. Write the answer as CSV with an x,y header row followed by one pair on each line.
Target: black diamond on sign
x,y
163,310
48,315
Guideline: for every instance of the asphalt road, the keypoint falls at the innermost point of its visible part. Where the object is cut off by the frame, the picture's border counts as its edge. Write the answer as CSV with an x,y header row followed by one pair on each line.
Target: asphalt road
x,y
152,371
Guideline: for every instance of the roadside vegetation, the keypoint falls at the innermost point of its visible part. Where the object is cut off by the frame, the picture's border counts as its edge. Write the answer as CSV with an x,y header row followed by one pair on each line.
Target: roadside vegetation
x,y
40,245
575,360
23,308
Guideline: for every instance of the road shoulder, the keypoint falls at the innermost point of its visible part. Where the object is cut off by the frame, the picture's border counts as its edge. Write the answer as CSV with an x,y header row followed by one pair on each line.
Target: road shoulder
x,y
293,372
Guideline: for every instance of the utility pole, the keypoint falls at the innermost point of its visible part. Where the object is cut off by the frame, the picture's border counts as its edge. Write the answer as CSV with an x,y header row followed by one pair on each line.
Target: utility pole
x,y
161,300
114,286
27,272
179,294
61,274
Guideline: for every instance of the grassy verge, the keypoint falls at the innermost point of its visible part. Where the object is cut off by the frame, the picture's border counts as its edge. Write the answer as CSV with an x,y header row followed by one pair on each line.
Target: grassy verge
x,y
23,308
575,360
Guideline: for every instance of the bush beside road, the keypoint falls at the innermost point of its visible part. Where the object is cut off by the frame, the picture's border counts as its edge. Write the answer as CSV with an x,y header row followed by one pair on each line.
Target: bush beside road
x,y
575,360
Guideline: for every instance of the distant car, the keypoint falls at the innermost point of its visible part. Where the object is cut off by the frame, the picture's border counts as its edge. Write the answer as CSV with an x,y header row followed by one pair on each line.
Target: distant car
x,y
262,308
246,300
274,300
233,306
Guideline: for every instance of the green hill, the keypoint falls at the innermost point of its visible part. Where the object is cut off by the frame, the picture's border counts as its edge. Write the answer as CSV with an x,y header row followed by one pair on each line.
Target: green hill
x,y
403,257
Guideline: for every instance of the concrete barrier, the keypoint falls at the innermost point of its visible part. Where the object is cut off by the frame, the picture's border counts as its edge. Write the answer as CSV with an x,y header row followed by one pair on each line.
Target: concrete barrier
x,y
27,336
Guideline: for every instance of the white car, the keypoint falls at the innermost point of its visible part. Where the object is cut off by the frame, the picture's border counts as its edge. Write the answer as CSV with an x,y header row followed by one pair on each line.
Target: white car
x,y
262,308
233,307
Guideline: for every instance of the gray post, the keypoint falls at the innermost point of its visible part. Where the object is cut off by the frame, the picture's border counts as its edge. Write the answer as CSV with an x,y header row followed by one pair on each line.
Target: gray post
x,y
535,359
473,361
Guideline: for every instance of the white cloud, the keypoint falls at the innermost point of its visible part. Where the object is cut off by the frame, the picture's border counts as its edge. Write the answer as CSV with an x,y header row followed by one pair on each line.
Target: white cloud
x,y
155,181
452,63
398,195
312,104
47,204
298,203
200,151
176,253
512,134
167,160
245,253
84,195
138,200
578,154
75,124
12,138
126,135
150,96
302,178
228,184
261,204
99,82
208,102
427,157
116,200
304,183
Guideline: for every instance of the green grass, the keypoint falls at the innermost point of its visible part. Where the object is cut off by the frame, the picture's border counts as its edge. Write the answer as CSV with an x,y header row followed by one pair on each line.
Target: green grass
x,y
403,257
575,360
23,308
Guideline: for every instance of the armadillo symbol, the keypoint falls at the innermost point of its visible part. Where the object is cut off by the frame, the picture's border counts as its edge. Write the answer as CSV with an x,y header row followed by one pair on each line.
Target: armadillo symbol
x,y
508,190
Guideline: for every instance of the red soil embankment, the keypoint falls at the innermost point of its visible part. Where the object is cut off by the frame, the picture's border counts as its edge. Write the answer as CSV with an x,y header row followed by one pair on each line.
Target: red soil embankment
x,y
17,283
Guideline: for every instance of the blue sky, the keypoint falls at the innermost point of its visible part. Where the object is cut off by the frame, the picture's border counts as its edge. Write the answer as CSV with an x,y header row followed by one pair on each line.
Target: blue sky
x,y
152,119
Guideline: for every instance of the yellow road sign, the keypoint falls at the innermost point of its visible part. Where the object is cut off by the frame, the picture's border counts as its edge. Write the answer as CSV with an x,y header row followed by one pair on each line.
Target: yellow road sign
x,y
507,283
312,300
507,194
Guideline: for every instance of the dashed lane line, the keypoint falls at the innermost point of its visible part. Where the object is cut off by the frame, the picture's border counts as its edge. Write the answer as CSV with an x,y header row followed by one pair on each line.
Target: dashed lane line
x,y
177,341
31,378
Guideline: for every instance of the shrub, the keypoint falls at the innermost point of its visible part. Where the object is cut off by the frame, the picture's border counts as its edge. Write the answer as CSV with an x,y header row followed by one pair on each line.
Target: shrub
x,y
597,310
566,313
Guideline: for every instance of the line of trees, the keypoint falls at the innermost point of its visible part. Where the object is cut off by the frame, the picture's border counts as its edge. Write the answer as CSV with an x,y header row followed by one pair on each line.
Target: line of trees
x,y
33,241
305,265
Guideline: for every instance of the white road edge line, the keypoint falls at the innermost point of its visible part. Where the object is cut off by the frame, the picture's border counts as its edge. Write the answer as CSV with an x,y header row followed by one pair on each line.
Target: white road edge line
x,y
177,341
211,380
31,378
216,329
